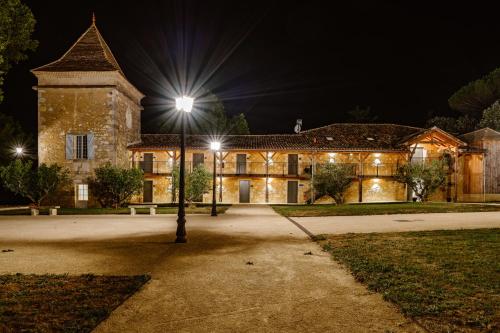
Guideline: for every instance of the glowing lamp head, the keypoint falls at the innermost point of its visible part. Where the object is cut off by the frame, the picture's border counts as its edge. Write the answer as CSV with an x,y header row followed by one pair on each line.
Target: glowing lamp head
x,y
215,145
377,161
19,150
184,103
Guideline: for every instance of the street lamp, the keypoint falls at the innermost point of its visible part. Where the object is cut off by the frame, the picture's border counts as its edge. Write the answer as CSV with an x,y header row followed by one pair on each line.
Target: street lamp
x,y
215,147
19,151
184,104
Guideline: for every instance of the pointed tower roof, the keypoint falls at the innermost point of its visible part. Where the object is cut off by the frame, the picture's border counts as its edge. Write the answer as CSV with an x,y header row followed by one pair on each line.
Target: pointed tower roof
x,y
89,53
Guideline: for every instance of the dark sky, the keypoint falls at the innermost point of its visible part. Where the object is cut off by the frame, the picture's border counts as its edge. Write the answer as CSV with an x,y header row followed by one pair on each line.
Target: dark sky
x,y
279,60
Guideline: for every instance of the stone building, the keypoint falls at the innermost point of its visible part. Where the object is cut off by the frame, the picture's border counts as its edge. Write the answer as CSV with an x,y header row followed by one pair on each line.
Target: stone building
x,y
89,114
280,168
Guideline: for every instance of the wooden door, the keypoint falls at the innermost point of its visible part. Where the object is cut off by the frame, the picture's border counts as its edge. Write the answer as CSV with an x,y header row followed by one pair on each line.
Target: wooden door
x,y
244,191
147,195
292,191
147,164
293,164
198,159
241,163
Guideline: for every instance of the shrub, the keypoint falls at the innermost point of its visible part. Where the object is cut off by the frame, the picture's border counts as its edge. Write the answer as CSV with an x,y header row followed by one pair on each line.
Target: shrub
x,y
35,184
114,186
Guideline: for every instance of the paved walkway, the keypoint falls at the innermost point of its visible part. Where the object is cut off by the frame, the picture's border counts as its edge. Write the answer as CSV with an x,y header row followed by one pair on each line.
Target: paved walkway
x,y
398,223
207,284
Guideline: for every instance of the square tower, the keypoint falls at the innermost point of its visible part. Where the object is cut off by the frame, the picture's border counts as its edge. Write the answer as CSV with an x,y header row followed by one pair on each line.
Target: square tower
x,y
88,113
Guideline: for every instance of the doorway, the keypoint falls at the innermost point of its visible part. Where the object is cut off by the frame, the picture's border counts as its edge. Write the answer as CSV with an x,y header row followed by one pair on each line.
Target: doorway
x,y
241,164
244,191
147,164
148,191
198,159
292,191
293,164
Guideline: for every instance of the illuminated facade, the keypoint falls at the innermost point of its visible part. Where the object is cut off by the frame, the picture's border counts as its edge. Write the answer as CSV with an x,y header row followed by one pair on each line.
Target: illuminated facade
x,y
89,114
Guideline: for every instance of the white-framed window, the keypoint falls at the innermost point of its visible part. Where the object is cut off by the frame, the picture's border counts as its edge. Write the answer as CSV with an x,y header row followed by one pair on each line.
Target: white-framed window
x,y
81,147
83,192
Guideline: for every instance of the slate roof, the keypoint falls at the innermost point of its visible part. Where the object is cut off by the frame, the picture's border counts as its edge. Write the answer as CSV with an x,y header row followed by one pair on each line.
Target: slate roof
x,y
349,137
89,53
363,136
478,135
229,142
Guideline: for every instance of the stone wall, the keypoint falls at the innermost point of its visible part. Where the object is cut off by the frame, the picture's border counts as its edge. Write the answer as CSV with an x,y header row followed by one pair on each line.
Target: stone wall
x,y
80,103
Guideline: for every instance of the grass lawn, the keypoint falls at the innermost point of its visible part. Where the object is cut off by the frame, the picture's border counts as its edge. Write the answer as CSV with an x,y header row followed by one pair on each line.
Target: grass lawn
x,y
380,209
449,281
98,211
61,303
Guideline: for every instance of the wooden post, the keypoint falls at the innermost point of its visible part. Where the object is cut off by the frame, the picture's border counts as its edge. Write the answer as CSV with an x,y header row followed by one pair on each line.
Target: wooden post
x,y
174,165
313,169
360,179
267,176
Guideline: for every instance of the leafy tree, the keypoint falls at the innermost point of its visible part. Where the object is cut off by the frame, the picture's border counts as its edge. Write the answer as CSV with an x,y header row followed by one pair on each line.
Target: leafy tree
x,y
423,178
458,125
197,182
491,117
16,26
210,118
333,179
35,184
478,95
114,186
361,115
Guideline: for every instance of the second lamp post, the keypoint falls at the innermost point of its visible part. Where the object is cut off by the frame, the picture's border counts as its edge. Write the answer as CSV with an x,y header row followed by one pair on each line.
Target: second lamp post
x,y
215,147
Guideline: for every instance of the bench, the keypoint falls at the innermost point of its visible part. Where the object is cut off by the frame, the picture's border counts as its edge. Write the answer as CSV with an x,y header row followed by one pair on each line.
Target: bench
x,y
53,210
152,208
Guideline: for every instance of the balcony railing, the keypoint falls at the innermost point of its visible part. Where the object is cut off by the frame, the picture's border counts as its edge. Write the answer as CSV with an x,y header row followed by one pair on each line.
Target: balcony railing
x,y
229,168
274,169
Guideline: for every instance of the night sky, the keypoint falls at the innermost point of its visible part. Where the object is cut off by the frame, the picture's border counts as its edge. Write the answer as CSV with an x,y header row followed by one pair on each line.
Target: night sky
x,y
278,61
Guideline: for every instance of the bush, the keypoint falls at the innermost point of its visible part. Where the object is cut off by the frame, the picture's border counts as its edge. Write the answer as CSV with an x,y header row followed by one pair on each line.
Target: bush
x,y
114,186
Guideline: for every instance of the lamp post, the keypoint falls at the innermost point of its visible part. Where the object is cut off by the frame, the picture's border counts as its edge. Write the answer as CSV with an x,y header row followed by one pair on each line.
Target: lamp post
x,y
184,104
214,146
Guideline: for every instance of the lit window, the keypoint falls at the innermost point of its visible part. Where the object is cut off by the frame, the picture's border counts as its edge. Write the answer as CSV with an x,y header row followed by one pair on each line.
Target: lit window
x,y
83,192
329,138
81,147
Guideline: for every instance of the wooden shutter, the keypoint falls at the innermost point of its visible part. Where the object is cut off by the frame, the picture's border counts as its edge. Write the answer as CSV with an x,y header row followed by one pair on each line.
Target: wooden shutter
x,y
69,147
90,146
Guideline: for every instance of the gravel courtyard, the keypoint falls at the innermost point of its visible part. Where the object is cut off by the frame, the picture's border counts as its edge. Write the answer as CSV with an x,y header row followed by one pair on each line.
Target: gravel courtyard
x,y
247,270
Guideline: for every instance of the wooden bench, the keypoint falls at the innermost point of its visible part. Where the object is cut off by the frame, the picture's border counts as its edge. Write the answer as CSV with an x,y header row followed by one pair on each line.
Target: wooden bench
x,y
152,208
